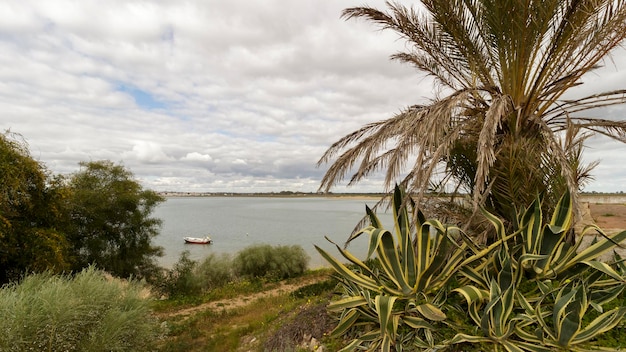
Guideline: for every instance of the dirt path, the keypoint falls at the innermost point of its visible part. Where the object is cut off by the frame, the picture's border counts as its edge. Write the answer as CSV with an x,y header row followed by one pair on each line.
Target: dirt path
x,y
244,300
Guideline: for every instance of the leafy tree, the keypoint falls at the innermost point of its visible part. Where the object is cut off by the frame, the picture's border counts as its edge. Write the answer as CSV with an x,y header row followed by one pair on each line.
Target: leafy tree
x,y
502,130
110,222
30,210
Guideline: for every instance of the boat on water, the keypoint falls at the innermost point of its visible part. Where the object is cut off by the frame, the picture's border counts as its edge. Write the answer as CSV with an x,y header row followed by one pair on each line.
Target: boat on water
x,y
198,240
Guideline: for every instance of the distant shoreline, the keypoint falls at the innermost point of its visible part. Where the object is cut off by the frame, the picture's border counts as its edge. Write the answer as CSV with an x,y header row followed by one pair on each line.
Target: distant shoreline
x,y
273,195
585,197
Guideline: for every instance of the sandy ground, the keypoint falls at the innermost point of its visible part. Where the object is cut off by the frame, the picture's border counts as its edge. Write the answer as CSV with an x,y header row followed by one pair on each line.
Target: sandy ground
x,y
609,216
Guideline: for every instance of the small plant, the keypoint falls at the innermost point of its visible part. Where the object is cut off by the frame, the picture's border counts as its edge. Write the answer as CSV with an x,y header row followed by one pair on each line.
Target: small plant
x,y
274,263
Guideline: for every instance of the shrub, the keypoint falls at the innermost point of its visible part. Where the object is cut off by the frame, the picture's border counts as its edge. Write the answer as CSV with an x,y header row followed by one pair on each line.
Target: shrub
x,y
265,261
180,280
215,271
87,312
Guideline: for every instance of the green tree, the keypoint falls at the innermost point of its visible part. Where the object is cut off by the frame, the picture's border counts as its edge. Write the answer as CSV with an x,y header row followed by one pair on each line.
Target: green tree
x,y
30,209
501,130
110,223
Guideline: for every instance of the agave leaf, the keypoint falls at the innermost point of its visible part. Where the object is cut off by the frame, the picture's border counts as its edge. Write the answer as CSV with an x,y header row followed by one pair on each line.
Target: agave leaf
x,y
346,303
422,243
592,252
375,234
347,320
472,294
370,336
417,322
441,264
400,214
550,240
385,345
601,324
474,276
354,260
510,346
524,303
374,221
362,280
497,223
488,250
568,327
528,262
532,347
605,268
353,345
384,307
531,223
601,297
460,338
566,314
431,312
390,262
562,216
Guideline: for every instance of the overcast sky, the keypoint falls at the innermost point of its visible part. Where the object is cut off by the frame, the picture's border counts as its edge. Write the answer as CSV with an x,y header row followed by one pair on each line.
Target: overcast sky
x,y
214,95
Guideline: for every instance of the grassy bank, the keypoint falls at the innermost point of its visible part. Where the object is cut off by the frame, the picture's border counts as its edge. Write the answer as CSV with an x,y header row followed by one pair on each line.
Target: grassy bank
x,y
250,316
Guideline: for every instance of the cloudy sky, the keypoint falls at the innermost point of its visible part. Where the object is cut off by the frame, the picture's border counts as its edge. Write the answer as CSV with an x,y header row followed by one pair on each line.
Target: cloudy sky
x,y
214,95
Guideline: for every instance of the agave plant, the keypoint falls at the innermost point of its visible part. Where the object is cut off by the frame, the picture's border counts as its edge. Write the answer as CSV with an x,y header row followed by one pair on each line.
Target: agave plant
x,y
408,289
560,324
532,294
546,253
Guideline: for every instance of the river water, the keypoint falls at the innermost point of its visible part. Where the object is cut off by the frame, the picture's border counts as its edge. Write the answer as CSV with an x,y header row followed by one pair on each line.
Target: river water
x,y
235,223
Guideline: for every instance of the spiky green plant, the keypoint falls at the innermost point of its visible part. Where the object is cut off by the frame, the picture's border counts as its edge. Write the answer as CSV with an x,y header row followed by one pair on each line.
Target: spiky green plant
x,y
514,291
408,285
518,296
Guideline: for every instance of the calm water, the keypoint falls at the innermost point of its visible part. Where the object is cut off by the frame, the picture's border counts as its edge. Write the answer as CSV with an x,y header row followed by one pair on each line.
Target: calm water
x,y
237,222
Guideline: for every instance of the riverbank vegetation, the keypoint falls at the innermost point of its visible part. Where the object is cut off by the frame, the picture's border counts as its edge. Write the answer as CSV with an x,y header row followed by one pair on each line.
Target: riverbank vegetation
x,y
99,215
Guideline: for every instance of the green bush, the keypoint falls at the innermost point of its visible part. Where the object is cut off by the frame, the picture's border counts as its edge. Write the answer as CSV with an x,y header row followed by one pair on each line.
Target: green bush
x,y
181,279
87,312
265,261
190,278
215,271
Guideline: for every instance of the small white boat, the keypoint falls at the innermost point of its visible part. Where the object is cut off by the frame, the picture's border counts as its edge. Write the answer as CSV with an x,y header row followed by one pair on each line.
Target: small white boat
x,y
198,240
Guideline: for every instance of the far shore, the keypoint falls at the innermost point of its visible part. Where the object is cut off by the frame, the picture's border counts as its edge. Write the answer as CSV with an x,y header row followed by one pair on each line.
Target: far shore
x,y
600,198
275,195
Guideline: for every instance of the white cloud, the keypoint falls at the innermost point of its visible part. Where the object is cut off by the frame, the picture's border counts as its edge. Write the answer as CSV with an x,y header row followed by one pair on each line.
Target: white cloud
x,y
195,156
148,152
211,95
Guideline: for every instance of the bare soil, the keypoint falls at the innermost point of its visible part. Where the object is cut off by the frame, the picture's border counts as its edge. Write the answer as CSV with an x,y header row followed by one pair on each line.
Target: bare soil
x,y
609,216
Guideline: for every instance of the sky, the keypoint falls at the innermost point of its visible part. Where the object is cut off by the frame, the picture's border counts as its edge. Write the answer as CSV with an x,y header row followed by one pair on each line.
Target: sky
x,y
216,95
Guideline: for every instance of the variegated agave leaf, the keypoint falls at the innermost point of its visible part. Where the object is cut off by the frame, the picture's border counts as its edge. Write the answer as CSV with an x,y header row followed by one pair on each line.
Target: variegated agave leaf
x,y
565,329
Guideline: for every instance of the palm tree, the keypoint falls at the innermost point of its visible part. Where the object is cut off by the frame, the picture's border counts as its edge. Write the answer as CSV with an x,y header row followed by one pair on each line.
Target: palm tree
x,y
503,132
